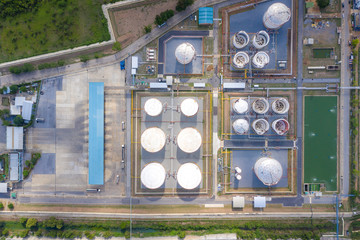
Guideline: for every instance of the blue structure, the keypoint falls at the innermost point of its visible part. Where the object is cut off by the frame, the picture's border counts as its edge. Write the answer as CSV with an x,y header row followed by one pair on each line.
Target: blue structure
x,y
96,133
206,15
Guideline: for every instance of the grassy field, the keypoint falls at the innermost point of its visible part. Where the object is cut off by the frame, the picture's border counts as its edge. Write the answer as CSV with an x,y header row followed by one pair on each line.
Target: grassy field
x,y
55,25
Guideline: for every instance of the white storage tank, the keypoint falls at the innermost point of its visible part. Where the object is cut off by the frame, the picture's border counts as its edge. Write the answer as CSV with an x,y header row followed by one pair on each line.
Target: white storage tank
x,y
153,139
260,126
260,59
268,170
261,39
189,176
189,140
185,53
241,126
276,16
240,59
280,106
240,39
260,106
280,126
153,107
153,175
189,107
240,106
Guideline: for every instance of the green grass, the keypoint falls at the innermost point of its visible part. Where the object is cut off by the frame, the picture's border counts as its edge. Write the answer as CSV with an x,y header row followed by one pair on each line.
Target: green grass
x,y
52,28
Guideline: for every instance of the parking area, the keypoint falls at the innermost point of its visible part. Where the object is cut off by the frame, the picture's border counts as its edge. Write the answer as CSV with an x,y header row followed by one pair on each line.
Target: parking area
x,y
63,137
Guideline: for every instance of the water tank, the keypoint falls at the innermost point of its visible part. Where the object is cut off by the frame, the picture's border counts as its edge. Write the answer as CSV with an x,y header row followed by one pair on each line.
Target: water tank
x,y
268,170
276,16
240,106
189,176
153,107
280,126
261,39
189,107
260,126
260,105
153,139
153,175
280,106
241,126
240,59
240,39
185,53
189,140
260,59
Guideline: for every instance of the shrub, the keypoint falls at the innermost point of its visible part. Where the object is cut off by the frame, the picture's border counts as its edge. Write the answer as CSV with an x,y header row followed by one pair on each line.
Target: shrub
x,y
11,206
89,235
31,223
18,120
25,173
354,43
148,28
182,4
24,234
5,232
1,206
107,234
4,90
36,156
13,89
38,233
84,58
23,89
27,67
163,17
23,221
15,70
116,46
323,3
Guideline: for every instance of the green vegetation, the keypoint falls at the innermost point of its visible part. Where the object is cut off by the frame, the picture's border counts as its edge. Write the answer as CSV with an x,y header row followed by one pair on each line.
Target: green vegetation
x,y
30,164
1,206
5,113
84,58
31,223
27,67
18,120
116,46
354,43
13,89
11,206
51,65
148,28
163,17
182,4
33,27
323,3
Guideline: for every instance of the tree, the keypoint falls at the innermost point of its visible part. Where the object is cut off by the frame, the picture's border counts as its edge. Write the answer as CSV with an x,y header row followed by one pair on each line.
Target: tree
x,y
323,3
84,58
354,43
18,120
5,232
11,206
23,221
31,223
4,90
13,89
148,28
23,89
182,4
25,173
24,233
1,206
116,46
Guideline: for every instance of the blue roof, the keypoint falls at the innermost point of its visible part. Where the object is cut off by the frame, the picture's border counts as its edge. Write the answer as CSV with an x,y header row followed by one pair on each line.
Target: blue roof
x,y
206,15
96,133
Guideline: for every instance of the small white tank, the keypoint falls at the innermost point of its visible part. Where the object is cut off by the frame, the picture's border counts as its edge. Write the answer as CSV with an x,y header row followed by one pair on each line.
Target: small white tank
x,y
280,106
153,107
240,59
240,106
260,106
260,126
280,126
241,126
189,107
261,39
240,39
260,59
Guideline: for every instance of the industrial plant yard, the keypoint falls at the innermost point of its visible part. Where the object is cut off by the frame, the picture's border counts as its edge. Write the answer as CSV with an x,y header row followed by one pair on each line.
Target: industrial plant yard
x,y
216,109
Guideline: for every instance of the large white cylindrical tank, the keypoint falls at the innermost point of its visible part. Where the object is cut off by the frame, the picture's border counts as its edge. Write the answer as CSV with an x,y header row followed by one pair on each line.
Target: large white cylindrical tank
x,y
153,107
260,126
260,59
241,126
153,175
268,170
189,107
153,139
280,106
240,106
240,59
240,39
189,140
280,126
261,39
189,176
260,105
276,16
185,53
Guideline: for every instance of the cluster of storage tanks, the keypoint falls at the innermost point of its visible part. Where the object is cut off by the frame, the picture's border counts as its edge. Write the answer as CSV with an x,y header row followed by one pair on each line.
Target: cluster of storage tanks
x,y
153,140
275,16
261,106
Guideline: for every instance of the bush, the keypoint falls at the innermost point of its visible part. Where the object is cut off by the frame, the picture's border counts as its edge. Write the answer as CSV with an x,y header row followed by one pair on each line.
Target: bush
x,y
25,173
31,223
24,233
89,235
5,232
107,234
1,206
38,233
15,70
53,223
148,28
84,58
4,90
18,120
27,67
13,89
323,3
11,206
116,46
23,221
182,4
354,43
23,89
163,17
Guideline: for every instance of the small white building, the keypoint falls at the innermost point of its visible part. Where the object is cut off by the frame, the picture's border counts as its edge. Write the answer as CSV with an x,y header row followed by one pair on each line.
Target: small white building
x,y
3,187
19,101
14,138
238,202
27,110
14,167
259,202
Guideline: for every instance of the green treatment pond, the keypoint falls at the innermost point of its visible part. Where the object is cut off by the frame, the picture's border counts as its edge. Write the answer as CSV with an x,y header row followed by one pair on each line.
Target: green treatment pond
x,y
320,141
322,52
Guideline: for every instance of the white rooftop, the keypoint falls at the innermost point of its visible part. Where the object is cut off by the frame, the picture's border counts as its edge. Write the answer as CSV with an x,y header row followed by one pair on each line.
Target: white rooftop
x,y
189,176
238,202
15,110
14,167
27,110
3,187
14,138
19,101
259,202
153,175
